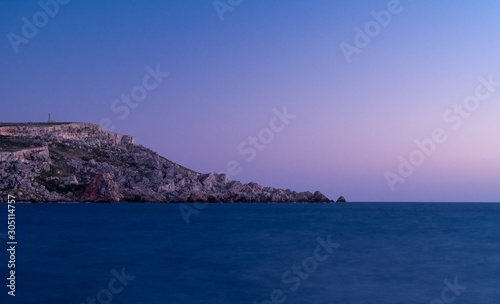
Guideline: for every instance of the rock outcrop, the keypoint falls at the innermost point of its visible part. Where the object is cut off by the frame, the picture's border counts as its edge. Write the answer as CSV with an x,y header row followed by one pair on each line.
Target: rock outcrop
x,y
78,162
24,155
341,199
102,189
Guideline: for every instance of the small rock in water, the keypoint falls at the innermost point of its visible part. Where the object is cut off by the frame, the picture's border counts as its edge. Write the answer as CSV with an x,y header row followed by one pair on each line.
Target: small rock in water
x,y
341,199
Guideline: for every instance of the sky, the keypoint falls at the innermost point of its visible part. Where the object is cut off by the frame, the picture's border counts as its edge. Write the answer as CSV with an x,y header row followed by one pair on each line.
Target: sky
x,y
373,100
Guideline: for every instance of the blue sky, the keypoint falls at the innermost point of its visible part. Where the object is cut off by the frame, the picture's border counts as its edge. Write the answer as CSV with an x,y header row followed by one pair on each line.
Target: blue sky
x,y
226,79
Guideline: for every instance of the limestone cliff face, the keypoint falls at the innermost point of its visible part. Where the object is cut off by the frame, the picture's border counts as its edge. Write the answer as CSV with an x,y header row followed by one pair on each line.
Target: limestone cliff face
x,y
77,162
67,131
26,155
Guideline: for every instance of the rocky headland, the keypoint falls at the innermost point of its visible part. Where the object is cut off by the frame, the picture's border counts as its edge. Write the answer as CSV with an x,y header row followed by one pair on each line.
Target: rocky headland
x,y
82,162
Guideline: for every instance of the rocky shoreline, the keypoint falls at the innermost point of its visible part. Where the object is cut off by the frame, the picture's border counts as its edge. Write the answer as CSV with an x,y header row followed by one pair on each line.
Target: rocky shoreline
x,y
81,162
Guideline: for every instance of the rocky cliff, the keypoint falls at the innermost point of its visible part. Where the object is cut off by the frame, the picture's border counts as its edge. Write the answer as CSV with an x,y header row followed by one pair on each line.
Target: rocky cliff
x,y
66,131
80,162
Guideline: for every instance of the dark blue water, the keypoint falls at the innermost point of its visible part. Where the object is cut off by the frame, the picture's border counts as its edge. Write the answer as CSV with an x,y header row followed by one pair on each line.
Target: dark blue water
x,y
240,253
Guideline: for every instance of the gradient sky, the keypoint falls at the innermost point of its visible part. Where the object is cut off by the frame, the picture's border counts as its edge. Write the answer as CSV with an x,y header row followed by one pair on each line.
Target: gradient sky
x,y
353,119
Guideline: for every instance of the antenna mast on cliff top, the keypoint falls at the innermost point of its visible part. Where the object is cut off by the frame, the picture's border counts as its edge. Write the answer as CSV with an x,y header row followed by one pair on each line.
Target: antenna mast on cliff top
x,y
49,118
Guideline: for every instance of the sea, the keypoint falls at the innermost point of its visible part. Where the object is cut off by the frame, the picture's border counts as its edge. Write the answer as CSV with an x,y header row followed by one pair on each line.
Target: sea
x,y
142,253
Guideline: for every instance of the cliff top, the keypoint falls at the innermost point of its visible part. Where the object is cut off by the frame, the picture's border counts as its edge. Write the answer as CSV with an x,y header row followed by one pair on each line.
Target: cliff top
x,y
56,131
33,124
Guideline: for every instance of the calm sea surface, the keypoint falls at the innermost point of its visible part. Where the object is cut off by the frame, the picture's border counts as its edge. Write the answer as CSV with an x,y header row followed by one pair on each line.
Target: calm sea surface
x,y
256,253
